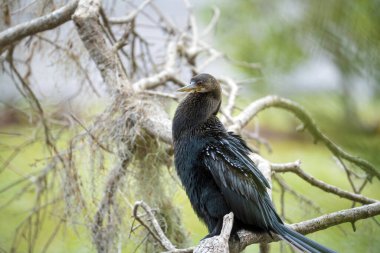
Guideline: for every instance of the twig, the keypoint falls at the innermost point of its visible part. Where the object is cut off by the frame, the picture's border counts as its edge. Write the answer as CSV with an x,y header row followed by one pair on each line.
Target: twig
x,y
91,135
161,94
158,234
74,58
214,20
131,16
302,198
165,75
347,171
37,25
294,168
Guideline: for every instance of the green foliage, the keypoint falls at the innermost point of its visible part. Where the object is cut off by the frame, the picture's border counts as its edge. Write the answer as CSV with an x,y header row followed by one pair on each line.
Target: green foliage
x,y
253,31
284,35
285,32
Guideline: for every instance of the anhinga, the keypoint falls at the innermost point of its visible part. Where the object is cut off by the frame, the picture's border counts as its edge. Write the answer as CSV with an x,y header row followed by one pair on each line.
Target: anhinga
x,y
216,171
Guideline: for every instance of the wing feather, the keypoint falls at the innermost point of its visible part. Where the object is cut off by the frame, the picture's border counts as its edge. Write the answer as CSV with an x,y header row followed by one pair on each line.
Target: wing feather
x,y
241,182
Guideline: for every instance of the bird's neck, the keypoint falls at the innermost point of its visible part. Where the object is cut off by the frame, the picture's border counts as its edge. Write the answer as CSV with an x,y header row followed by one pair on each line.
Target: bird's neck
x,y
194,111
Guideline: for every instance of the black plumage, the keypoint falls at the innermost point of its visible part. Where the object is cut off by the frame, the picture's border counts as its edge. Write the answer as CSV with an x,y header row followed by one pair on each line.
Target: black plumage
x,y
216,171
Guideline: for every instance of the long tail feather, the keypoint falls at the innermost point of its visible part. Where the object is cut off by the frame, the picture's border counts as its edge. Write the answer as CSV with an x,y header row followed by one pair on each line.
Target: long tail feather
x,y
299,241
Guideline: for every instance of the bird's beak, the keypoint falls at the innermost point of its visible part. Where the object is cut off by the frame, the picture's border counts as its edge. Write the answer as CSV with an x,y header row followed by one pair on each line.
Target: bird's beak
x,y
192,87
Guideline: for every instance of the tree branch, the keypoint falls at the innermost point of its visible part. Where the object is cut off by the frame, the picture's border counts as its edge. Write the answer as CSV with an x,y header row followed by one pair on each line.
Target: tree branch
x,y
316,224
158,234
219,243
308,123
320,184
163,76
47,22
86,18
132,15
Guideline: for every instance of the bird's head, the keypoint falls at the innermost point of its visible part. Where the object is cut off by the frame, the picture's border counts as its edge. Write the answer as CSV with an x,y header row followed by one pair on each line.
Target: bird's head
x,y
202,102
202,83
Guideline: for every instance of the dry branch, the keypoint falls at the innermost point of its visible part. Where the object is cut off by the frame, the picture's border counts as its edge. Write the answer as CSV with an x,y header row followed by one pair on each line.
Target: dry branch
x,y
308,123
158,234
316,224
86,18
130,17
163,76
47,22
220,243
322,185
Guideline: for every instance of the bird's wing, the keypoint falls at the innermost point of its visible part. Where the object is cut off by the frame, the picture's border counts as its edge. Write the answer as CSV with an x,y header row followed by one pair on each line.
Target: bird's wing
x,y
242,184
234,152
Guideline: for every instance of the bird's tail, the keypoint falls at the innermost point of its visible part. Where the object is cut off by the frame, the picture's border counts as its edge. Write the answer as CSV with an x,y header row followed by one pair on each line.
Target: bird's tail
x,y
299,241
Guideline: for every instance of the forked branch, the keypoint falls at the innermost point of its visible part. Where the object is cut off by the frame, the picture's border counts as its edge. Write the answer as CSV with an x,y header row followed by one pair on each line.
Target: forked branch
x,y
308,123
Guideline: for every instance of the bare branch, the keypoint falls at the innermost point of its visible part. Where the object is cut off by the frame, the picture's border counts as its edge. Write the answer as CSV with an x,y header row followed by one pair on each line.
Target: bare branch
x,y
214,54
211,25
316,224
86,19
37,25
232,93
158,234
158,124
192,23
294,167
293,192
131,16
108,201
308,123
161,94
218,244
165,75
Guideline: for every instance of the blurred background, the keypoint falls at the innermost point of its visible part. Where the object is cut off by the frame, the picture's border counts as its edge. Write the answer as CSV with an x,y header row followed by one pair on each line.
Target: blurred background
x,y
325,55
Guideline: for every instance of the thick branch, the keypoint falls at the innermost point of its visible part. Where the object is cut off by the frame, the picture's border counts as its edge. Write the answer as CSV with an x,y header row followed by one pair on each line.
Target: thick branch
x,y
156,122
219,243
316,224
47,22
86,19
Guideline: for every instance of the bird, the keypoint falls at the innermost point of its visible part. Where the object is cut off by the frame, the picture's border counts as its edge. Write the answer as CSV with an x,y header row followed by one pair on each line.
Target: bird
x,y
216,172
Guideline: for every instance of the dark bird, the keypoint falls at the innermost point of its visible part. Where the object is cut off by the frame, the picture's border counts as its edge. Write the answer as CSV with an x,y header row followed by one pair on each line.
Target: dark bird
x,y
217,173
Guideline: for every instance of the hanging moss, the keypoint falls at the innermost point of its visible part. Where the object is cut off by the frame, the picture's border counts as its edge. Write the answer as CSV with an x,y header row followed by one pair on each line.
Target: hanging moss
x,y
151,179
